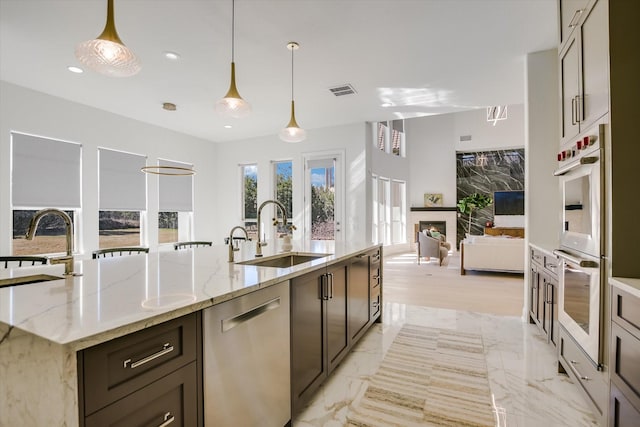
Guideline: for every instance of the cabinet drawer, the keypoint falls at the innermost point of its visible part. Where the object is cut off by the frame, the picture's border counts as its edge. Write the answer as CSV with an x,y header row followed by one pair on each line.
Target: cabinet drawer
x,y
622,412
625,363
170,401
626,311
583,371
376,302
119,367
376,278
537,256
551,264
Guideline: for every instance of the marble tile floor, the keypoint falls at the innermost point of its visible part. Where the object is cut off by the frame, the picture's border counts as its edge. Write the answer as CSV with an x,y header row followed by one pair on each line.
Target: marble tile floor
x,y
526,389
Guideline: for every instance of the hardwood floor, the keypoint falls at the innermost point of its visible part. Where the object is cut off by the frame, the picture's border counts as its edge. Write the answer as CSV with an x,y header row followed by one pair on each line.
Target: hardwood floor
x,y
431,285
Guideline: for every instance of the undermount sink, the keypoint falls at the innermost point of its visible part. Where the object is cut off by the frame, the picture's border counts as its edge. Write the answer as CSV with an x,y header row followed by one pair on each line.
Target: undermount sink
x,y
26,280
284,260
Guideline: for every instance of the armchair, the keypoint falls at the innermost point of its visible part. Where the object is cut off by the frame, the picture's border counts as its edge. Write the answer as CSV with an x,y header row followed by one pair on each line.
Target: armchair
x,y
429,246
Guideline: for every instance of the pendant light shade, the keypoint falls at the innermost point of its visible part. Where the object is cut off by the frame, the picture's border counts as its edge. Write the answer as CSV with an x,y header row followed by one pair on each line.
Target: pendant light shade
x,y
293,132
232,105
107,54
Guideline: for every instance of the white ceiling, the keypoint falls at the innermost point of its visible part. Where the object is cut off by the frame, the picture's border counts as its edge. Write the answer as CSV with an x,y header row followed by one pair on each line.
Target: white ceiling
x,y
424,56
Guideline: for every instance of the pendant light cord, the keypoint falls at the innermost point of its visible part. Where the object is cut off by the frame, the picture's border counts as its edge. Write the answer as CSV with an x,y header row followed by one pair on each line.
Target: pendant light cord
x,y
233,27
292,49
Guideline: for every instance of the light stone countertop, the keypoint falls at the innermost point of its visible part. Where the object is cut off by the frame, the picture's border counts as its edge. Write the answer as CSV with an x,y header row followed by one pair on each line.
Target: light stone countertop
x,y
544,248
120,295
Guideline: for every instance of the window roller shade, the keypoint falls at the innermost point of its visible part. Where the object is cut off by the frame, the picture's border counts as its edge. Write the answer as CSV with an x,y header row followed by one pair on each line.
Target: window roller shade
x,y
45,172
122,182
176,192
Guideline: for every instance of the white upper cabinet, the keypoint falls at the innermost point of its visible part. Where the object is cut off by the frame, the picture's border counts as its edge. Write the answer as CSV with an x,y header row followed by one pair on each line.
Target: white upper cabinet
x,y
584,71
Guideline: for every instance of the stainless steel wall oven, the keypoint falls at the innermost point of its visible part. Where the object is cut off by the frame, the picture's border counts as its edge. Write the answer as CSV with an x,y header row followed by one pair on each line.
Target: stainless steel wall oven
x,y
582,248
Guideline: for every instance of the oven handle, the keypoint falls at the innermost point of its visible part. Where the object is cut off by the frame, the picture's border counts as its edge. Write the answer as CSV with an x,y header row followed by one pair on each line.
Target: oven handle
x,y
584,263
587,160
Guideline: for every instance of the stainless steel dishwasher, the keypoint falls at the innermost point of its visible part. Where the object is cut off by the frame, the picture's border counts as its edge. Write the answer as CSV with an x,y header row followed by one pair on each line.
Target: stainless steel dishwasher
x,y
246,360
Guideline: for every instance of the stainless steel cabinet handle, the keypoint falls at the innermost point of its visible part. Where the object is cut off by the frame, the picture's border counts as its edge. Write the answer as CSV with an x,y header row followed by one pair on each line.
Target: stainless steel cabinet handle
x,y
584,263
168,419
330,285
574,20
573,111
375,258
234,321
166,349
324,287
579,109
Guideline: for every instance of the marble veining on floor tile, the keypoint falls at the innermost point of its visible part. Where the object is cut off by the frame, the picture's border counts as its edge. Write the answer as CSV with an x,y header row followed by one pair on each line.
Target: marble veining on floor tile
x,y
526,389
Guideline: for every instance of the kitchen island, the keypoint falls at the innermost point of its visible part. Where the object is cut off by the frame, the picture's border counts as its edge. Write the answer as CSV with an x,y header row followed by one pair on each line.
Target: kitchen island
x,y
44,326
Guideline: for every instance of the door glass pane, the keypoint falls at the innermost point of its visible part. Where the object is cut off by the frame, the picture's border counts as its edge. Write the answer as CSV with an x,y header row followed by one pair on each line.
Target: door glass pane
x,y
322,203
577,297
577,212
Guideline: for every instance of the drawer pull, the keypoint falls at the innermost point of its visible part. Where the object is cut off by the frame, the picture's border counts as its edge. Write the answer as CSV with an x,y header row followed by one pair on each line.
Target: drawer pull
x,y
375,304
376,277
168,419
582,377
375,258
166,349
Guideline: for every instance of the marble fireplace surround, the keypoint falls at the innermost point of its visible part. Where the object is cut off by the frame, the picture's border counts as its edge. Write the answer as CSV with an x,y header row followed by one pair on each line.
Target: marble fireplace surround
x,y
448,215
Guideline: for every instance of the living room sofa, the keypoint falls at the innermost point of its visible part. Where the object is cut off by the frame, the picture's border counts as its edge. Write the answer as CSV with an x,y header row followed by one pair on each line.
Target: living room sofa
x,y
493,253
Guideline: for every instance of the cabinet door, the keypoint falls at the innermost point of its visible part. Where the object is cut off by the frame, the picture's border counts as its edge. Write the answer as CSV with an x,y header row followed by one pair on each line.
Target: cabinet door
x,y
594,101
337,336
533,294
622,413
308,363
570,89
571,12
358,296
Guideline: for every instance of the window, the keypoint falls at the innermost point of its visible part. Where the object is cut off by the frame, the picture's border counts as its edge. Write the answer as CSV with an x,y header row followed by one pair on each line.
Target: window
x,y
283,186
59,162
249,175
398,212
381,136
397,138
123,198
175,204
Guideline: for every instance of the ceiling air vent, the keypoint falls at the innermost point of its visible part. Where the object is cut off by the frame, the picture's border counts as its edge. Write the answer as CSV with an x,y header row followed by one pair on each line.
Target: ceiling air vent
x,y
341,90
465,138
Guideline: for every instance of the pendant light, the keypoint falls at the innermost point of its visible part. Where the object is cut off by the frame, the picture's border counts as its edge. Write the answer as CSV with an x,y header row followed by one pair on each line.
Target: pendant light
x,y
232,105
293,132
107,54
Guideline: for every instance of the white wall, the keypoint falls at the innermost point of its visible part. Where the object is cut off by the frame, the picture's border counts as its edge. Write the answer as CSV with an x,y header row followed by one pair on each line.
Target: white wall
x,y
348,139
24,110
432,143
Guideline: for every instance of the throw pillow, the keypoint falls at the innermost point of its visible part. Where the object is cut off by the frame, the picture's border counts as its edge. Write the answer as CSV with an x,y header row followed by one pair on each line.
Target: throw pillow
x,y
435,234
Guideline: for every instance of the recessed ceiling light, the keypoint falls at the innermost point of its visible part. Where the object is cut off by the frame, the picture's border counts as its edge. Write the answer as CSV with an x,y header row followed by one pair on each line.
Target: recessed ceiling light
x,y
228,126
169,106
74,69
171,55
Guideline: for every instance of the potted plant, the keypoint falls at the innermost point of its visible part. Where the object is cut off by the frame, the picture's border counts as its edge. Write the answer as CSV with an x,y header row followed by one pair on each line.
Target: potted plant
x,y
476,201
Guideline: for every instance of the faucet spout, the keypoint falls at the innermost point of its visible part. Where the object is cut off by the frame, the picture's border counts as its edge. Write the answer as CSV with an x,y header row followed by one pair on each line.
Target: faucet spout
x,y
260,242
232,248
33,226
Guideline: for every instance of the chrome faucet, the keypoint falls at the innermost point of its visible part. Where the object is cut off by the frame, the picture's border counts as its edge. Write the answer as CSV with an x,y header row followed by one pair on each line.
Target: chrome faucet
x,y
233,248
260,243
33,226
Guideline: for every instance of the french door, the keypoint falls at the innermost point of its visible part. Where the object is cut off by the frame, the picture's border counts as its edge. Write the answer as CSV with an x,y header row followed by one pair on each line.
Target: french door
x,y
323,197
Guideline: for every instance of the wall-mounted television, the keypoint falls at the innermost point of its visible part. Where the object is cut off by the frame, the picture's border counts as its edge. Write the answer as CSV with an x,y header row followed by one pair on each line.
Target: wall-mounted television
x,y
508,202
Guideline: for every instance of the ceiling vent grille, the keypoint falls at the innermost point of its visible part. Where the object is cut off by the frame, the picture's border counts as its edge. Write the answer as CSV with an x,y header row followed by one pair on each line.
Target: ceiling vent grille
x,y
464,138
345,89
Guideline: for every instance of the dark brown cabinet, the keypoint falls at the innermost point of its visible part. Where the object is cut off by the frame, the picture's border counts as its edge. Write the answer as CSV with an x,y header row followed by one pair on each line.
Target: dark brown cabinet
x,y
331,309
147,377
319,337
543,293
624,400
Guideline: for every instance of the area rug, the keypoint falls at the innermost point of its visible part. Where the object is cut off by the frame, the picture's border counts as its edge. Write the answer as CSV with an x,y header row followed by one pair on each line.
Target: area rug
x,y
429,377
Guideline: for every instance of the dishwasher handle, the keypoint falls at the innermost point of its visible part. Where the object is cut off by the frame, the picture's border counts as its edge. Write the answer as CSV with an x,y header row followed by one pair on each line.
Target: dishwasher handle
x,y
232,322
